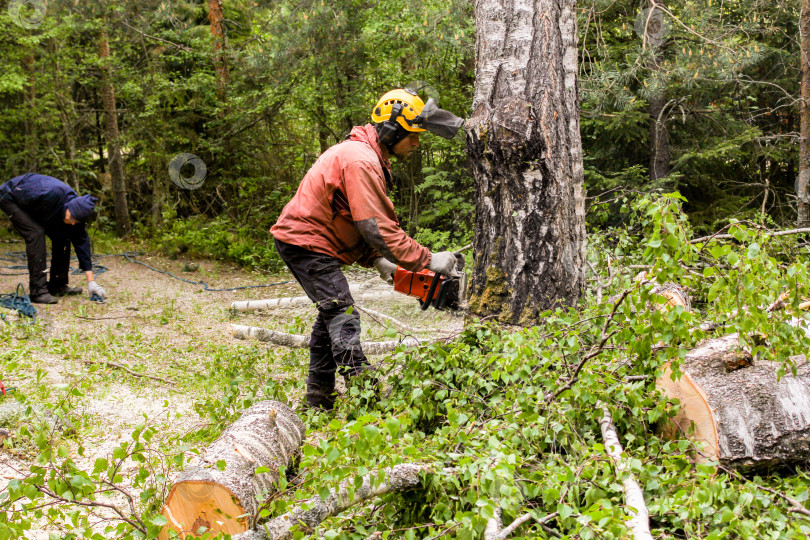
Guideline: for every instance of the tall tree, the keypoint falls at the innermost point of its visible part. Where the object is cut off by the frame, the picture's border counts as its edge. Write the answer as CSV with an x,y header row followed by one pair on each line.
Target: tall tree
x,y
216,18
116,163
524,141
804,118
654,34
31,118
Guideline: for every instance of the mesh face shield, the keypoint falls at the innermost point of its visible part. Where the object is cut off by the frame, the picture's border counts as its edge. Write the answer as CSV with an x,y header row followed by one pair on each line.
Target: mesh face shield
x,y
438,121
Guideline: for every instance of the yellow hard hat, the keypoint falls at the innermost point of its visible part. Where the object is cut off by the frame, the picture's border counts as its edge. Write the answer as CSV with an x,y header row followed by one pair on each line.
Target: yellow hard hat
x,y
410,106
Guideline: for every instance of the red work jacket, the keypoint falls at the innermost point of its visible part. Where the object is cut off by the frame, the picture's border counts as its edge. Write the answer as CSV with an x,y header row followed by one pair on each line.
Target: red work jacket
x,y
347,184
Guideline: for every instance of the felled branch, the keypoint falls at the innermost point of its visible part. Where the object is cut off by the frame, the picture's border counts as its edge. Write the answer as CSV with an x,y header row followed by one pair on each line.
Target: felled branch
x,y
731,237
633,495
397,323
124,368
595,350
494,531
308,516
298,341
358,294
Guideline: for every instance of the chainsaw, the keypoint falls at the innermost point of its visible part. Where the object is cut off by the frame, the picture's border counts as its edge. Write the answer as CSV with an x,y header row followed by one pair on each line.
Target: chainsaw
x,y
432,289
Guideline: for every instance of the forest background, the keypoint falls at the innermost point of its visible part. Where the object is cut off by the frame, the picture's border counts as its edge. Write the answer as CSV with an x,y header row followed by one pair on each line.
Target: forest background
x,y
105,95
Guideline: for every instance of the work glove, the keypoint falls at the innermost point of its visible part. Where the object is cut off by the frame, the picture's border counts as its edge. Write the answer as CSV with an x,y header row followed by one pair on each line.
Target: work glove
x,y
386,269
94,288
444,263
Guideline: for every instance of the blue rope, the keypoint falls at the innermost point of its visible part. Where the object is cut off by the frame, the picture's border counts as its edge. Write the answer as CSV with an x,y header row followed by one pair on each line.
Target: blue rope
x,y
130,256
19,257
20,302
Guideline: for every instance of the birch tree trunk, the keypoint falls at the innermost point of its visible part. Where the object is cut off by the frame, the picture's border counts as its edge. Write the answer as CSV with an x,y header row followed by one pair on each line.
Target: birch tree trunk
x,y
804,116
659,136
654,36
524,142
119,187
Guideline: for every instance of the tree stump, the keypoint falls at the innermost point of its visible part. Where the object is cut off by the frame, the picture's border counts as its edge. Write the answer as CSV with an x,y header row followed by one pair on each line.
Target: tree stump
x,y
224,492
746,418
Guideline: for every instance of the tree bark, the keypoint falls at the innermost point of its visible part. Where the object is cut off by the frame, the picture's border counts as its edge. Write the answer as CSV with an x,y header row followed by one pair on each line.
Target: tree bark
x,y
224,493
216,19
803,206
660,154
116,164
31,132
746,417
659,136
526,150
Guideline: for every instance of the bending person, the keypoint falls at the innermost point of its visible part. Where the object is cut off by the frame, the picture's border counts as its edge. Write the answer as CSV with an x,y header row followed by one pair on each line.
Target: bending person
x,y
341,214
41,206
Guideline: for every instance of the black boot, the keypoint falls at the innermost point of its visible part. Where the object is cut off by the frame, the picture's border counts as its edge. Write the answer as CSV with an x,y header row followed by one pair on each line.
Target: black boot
x,y
44,298
320,396
64,290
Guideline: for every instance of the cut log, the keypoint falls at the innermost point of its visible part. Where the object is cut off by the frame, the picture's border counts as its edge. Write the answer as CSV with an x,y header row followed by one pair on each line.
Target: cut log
x,y
359,295
745,418
224,492
298,341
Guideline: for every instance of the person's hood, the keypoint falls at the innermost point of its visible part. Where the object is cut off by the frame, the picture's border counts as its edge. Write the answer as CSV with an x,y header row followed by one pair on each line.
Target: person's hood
x,y
367,134
82,208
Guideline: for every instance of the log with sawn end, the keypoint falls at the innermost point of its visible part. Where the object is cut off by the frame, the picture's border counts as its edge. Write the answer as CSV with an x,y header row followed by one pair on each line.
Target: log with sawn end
x,y
224,493
746,417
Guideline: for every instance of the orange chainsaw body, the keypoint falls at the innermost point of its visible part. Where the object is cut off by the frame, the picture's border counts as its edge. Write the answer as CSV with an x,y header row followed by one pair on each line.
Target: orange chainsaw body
x,y
430,288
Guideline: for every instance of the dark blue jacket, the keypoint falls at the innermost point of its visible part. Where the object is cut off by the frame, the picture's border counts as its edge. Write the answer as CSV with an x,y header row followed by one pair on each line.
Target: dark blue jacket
x,y
44,198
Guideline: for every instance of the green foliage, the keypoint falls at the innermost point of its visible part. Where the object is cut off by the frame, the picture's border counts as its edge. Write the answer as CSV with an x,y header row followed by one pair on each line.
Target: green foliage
x,y
505,419
219,239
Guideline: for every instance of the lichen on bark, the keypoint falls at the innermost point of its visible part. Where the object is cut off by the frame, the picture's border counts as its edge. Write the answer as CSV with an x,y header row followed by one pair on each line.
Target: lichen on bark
x,y
494,296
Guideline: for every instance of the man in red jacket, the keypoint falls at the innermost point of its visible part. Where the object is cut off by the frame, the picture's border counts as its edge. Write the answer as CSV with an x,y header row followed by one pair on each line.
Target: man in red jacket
x,y
341,214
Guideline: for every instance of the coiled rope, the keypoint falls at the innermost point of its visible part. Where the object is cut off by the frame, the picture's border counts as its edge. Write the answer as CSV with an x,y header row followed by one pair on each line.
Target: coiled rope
x,y
20,302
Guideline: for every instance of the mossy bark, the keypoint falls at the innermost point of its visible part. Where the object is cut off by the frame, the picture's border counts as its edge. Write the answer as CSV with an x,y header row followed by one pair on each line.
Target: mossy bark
x,y
524,141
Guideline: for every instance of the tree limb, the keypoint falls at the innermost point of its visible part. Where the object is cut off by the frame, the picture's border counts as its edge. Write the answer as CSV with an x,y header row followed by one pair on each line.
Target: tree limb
x,y
633,494
134,373
731,237
298,341
310,515
595,350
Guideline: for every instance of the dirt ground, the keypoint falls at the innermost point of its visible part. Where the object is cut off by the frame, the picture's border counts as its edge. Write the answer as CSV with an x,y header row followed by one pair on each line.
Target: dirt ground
x,y
160,327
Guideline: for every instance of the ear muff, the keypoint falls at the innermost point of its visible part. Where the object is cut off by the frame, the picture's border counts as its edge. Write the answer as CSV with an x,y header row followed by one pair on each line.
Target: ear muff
x,y
390,132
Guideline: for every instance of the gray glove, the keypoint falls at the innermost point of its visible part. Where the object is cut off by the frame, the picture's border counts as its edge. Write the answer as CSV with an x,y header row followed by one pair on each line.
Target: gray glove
x,y
95,288
386,269
444,262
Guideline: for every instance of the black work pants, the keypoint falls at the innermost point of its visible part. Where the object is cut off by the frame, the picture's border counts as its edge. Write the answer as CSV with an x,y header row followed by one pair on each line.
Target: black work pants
x,y
335,340
35,250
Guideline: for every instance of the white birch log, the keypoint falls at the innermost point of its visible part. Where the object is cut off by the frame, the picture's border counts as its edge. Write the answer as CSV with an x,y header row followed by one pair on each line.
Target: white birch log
x,y
633,494
359,296
745,417
223,493
397,478
493,530
297,341
399,324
